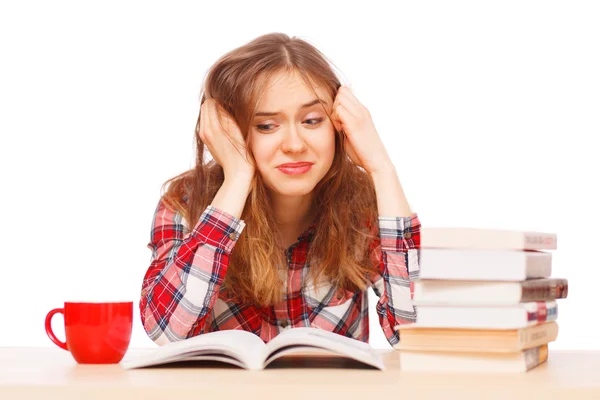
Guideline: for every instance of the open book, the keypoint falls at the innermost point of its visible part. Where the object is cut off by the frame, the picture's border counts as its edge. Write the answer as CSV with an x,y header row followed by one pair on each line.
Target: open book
x,y
246,350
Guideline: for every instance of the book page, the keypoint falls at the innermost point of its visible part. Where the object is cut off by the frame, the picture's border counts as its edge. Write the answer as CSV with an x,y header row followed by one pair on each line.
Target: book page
x,y
301,340
243,345
215,357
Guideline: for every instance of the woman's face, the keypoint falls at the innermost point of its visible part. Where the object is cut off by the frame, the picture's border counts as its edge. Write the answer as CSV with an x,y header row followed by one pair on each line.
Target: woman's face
x,y
291,133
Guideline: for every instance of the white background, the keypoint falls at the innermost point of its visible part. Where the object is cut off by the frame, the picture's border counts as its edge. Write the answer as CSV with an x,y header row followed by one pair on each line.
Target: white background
x,y
490,111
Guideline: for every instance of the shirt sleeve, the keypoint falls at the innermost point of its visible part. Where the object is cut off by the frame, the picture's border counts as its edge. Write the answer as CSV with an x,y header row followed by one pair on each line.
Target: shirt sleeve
x,y
397,251
186,271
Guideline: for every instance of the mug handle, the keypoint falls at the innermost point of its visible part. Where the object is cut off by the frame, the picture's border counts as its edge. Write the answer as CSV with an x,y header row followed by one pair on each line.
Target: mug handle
x,y
51,335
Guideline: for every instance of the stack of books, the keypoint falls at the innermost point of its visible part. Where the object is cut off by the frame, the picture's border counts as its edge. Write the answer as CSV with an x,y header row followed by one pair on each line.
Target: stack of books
x,y
485,301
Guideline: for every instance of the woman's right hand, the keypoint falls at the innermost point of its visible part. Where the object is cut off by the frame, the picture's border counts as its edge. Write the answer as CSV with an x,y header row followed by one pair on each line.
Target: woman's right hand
x,y
225,143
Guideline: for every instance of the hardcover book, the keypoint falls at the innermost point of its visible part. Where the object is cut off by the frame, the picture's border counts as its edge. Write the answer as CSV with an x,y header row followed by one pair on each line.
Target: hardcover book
x,y
485,265
475,340
486,239
488,293
453,362
489,317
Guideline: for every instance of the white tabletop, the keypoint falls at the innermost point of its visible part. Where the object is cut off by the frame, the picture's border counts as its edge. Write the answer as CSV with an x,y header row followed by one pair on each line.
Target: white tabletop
x,y
51,373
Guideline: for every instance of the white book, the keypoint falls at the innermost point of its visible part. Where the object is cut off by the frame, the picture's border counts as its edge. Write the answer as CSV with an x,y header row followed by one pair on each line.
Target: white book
x,y
487,293
246,350
477,362
490,317
486,239
485,265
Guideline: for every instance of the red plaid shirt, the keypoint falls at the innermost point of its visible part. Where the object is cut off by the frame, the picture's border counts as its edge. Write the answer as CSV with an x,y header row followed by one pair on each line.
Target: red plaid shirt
x,y
182,297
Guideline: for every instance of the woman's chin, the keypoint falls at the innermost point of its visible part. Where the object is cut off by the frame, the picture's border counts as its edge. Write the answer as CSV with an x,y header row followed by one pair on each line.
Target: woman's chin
x,y
294,188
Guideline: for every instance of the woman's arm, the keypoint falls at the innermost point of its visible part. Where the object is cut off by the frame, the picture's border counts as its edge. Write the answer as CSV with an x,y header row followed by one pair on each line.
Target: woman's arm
x,y
390,196
182,283
397,252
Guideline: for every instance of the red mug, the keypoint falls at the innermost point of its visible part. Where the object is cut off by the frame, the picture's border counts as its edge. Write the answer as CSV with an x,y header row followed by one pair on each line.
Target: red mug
x,y
96,333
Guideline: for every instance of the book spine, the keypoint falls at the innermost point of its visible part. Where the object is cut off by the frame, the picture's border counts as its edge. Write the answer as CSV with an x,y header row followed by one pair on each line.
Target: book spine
x,y
540,241
538,264
536,335
544,290
535,356
541,311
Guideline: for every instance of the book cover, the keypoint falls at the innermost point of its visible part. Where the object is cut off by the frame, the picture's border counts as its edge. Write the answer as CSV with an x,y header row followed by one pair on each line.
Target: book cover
x,y
488,317
488,293
475,340
457,362
486,239
485,265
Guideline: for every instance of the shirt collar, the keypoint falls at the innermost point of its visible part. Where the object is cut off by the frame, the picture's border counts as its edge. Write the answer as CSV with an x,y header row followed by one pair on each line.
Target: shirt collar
x,y
309,232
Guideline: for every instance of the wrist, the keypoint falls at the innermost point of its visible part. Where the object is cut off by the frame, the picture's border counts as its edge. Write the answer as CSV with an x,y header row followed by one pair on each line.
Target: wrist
x,y
385,172
239,180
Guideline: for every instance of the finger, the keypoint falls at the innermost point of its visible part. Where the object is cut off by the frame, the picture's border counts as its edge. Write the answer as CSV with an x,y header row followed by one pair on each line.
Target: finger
x,y
354,107
206,121
336,121
343,114
229,124
216,123
351,105
232,131
208,113
340,101
349,94
338,125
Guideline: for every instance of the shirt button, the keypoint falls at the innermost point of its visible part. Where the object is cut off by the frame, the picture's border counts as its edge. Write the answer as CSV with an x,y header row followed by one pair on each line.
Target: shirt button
x,y
283,324
339,295
408,235
232,235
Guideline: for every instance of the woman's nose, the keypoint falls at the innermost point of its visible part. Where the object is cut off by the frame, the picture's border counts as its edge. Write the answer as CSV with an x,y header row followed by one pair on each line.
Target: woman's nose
x,y
293,141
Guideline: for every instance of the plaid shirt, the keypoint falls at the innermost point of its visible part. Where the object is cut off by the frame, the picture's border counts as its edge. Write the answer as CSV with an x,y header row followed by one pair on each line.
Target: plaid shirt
x,y
182,295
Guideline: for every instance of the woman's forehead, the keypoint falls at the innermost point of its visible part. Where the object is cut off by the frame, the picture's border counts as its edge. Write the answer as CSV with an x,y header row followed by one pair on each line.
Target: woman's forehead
x,y
292,89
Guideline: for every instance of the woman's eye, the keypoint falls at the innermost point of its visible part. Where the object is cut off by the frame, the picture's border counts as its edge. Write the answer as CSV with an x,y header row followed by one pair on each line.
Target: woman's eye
x,y
262,127
265,128
317,120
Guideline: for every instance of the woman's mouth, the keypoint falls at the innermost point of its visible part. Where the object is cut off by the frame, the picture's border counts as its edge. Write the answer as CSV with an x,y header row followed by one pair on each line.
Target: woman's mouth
x,y
295,169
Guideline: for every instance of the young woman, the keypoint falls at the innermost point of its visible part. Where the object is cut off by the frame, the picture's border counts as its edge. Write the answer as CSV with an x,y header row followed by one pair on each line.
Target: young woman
x,y
299,212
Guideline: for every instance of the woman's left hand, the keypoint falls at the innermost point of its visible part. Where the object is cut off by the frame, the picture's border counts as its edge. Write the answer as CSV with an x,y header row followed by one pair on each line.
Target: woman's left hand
x,y
363,145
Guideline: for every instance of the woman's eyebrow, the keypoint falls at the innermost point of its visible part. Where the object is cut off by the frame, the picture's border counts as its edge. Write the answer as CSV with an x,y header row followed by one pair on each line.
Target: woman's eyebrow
x,y
271,113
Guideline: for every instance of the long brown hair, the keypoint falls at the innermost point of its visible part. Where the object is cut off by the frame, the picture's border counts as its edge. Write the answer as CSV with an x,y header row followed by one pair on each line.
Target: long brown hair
x,y
345,197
